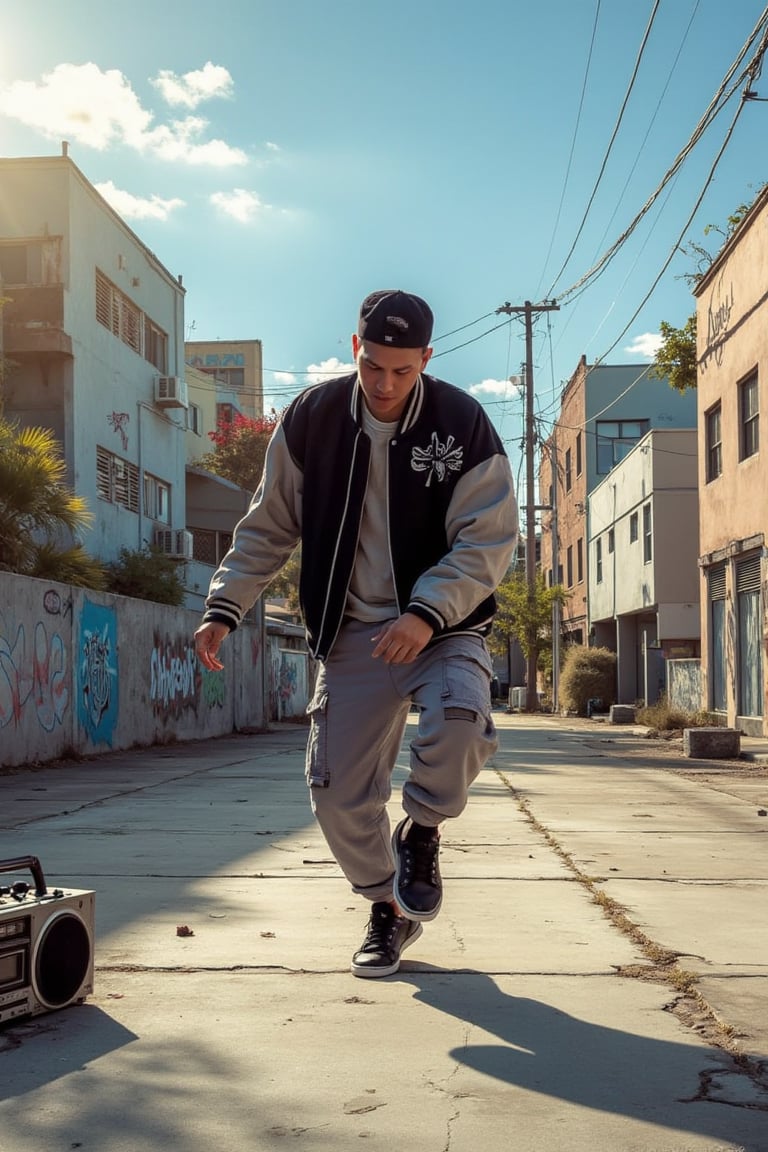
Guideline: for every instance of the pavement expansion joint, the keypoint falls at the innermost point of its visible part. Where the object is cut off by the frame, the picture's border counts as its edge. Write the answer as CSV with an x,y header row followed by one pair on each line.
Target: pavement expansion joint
x,y
690,1007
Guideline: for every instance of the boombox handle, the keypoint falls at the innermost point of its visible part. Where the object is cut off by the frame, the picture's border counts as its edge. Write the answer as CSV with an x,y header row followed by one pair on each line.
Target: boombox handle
x,y
34,866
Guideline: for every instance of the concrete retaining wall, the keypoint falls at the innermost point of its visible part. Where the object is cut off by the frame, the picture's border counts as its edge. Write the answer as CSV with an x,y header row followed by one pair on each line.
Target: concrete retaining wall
x,y
684,684
85,672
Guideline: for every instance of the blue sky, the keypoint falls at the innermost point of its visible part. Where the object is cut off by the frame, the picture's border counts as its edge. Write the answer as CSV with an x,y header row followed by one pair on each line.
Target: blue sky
x,y
288,156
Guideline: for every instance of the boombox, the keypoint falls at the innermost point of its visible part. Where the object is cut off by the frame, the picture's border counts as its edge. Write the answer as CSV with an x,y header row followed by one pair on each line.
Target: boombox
x,y
46,944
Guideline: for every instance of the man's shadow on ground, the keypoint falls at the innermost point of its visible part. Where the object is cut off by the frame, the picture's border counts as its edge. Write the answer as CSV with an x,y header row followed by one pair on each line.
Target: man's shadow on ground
x,y
545,1050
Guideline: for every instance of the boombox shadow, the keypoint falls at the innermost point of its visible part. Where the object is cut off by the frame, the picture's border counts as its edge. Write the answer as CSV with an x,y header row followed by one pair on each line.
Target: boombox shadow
x,y
48,1048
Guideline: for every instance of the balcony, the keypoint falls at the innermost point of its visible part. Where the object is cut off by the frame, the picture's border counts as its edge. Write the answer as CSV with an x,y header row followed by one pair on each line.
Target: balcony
x,y
33,323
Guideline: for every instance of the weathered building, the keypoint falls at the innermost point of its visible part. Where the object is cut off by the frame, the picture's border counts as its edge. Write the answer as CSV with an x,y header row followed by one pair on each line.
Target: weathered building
x,y
732,350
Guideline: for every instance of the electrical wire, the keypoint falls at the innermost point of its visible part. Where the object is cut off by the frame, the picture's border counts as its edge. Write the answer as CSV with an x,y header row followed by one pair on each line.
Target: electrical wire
x,y
573,148
668,261
715,106
609,149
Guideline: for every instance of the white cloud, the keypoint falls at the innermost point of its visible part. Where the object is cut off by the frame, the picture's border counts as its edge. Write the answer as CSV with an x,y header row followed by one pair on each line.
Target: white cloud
x,y
132,207
327,369
510,389
176,141
193,87
285,378
646,344
272,147
240,204
82,103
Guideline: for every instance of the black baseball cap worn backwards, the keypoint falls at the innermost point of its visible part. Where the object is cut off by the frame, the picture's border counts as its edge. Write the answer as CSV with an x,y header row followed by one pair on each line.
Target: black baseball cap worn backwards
x,y
397,319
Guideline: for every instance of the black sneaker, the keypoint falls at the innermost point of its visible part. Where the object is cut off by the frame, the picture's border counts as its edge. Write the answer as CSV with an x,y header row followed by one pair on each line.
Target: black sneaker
x,y
418,887
387,937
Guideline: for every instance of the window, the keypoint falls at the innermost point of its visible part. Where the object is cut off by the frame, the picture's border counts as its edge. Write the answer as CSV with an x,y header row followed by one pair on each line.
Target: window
x,y
210,547
750,417
578,454
611,540
599,560
157,499
232,378
126,321
579,560
569,566
714,445
633,528
718,668
195,419
568,471
647,534
20,263
155,346
615,438
750,637
117,480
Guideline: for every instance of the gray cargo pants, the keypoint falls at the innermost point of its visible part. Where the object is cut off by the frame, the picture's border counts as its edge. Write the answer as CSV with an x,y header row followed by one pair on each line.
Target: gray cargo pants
x,y
358,716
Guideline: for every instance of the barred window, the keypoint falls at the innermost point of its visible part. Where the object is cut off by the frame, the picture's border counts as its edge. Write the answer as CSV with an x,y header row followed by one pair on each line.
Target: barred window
x,y
117,480
210,547
124,319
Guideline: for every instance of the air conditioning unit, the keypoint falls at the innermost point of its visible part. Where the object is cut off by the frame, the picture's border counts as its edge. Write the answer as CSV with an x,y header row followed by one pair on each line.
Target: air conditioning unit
x,y
171,392
175,542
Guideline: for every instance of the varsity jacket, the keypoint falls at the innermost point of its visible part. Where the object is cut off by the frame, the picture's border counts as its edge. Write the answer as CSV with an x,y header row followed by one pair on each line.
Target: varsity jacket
x,y
452,513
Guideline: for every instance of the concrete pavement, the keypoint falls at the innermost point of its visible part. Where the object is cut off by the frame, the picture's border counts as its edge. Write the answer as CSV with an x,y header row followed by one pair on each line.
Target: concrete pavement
x,y
598,977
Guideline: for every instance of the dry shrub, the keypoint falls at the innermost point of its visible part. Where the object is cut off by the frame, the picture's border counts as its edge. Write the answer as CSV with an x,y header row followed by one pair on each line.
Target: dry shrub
x,y
588,674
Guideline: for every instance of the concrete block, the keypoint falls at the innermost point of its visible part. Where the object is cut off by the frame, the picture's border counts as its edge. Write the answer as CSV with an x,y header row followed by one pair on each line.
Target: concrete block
x,y
621,714
712,743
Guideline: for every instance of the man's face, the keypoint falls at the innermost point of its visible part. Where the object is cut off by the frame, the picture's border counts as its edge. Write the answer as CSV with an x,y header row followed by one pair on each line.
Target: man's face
x,y
387,375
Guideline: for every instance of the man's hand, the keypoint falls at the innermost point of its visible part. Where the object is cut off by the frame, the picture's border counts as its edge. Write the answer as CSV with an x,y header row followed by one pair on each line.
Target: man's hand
x,y
401,641
208,640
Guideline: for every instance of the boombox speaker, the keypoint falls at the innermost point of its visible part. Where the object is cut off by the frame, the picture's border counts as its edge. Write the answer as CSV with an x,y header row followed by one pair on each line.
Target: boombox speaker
x,y
46,943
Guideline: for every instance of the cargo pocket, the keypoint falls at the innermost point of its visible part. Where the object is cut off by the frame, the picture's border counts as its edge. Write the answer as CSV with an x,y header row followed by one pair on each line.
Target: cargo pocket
x,y
466,693
317,769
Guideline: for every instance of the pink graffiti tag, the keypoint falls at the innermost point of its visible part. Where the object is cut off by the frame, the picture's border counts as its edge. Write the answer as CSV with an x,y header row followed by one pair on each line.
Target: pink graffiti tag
x,y
39,676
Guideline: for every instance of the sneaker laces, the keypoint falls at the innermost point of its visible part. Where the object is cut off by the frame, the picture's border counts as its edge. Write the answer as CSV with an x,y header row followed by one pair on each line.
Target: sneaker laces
x,y
381,929
420,859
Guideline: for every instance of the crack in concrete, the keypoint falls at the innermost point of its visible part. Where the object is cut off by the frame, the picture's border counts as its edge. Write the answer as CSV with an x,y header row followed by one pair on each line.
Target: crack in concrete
x,y
690,1008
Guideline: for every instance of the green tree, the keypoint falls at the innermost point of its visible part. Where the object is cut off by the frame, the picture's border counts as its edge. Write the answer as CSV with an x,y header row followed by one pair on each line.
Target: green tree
x,y
676,358
147,574
39,514
525,618
285,585
240,445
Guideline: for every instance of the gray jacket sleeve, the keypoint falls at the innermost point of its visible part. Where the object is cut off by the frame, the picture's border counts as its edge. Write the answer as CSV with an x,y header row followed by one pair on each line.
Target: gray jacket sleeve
x,y
482,528
263,540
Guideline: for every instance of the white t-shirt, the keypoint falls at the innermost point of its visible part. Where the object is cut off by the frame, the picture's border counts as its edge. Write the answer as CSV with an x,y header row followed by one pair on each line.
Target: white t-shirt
x,y
372,588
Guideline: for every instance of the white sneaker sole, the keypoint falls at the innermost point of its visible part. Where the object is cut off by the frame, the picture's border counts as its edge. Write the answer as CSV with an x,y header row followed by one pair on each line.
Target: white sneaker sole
x,y
369,973
409,913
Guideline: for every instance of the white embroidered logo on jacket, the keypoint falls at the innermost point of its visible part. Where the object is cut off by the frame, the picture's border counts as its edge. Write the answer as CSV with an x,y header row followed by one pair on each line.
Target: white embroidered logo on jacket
x,y
438,460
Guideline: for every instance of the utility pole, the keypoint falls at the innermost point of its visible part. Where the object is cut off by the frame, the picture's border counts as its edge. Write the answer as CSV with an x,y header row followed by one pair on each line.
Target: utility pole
x,y
528,309
556,610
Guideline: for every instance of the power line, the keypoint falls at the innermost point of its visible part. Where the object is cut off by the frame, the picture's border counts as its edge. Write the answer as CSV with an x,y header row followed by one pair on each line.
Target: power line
x,y
611,142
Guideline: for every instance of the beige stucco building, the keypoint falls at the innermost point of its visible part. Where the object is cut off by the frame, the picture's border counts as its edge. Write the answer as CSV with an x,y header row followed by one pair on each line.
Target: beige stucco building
x,y
236,368
732,349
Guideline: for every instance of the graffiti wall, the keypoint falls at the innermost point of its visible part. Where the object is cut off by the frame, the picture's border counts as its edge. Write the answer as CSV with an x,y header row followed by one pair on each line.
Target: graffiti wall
x,y
83,672
289,681
35,670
